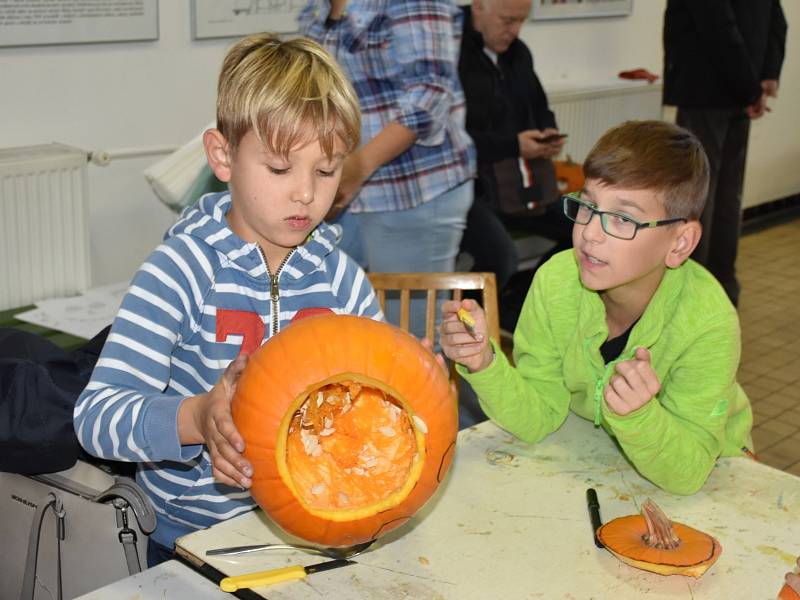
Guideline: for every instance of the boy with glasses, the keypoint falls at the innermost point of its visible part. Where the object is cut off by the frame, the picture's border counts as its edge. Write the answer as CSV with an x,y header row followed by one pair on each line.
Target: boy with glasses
x,y
624,329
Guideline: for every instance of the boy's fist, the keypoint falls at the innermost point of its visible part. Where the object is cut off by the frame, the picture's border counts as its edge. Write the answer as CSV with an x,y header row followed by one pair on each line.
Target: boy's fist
x,y
634,383
463,334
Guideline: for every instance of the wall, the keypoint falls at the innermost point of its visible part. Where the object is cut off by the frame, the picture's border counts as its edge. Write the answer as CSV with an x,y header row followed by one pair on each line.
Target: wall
x,y
589,50
115,97
156,94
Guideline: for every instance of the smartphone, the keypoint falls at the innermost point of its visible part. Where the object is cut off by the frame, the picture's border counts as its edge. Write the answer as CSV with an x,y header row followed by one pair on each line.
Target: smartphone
x,y
553,137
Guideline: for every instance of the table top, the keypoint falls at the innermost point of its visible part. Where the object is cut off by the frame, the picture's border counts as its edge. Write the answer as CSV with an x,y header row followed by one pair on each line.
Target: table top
x,y
511,522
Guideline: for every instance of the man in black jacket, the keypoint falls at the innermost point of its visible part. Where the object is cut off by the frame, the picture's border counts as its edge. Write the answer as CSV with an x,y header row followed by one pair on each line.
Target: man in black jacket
x,y
507,117
722,60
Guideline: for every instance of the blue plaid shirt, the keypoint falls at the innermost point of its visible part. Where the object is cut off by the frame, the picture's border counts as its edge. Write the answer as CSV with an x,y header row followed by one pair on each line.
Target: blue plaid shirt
x,y
402,59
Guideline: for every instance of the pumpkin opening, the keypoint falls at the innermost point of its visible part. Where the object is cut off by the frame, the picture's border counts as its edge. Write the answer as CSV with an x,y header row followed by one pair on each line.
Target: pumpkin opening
x,y
352,449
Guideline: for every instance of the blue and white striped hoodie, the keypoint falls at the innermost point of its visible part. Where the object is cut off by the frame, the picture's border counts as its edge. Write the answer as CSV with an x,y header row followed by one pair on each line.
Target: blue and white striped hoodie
x,y
200,298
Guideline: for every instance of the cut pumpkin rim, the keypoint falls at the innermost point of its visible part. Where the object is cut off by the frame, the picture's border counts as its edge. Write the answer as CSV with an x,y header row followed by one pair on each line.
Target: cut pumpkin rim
x,y
391,500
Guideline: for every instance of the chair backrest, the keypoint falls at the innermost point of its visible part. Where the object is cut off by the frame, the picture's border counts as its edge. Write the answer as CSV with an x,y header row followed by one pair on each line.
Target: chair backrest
x,y
431,283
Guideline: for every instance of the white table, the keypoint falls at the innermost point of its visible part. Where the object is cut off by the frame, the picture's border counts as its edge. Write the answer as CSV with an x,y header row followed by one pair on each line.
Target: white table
x,y
511,522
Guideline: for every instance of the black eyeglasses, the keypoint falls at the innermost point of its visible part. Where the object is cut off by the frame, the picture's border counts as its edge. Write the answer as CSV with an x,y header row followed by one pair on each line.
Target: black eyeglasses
x,y
614,224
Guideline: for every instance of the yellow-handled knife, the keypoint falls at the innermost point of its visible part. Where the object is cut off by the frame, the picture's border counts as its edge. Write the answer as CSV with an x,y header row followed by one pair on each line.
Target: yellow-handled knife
x,y
467,320
251,580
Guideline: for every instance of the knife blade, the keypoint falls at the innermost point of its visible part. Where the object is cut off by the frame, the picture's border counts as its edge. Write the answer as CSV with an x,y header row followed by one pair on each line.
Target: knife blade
x,y
270,576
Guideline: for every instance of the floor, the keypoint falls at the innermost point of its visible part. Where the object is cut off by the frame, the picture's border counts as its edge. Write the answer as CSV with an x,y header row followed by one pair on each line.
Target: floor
x,y
769,311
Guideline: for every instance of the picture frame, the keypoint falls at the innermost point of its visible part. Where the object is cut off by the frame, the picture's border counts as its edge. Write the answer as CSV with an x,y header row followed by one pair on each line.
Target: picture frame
x,y
237,18
51,22
544,10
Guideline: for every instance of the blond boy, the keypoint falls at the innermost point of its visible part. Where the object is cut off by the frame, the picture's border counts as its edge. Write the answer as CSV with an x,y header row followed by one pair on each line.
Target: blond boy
x,y
231,273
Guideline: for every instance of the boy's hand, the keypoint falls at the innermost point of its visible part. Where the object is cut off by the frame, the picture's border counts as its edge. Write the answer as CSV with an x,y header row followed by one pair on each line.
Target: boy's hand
x,y
214,421
633,385
472,350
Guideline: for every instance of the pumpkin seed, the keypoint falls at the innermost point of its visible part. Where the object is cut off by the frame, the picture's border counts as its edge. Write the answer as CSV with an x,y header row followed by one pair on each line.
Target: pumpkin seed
x,y
419,424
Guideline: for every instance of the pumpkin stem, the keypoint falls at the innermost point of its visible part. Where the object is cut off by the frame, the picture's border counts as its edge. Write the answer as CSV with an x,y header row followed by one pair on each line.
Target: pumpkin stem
x,y
660,533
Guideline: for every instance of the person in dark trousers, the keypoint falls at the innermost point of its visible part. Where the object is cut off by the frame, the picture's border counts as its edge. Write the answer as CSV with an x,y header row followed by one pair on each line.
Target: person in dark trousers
x,y
722,61
508,116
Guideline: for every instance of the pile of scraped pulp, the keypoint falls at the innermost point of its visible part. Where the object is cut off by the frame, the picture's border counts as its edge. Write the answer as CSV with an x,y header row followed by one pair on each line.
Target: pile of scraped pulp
x,y
349,446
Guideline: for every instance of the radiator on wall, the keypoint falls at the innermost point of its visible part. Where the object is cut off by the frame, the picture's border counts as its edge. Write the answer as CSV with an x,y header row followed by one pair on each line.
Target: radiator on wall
x,y
44,231
585,113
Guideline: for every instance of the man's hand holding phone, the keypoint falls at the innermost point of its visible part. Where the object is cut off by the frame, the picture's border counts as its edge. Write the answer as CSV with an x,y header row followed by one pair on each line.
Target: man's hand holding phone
x,y
552,137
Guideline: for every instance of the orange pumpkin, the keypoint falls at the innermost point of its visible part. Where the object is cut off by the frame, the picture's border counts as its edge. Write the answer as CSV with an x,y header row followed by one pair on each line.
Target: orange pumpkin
x,y
652,542
350,425
788,593
569,176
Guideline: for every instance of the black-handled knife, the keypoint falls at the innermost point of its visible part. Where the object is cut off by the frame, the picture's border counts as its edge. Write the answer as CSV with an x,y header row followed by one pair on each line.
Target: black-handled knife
x,y
594,514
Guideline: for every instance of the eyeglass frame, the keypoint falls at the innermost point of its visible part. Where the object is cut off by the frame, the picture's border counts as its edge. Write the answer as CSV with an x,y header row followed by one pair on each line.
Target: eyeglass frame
x,y
639,225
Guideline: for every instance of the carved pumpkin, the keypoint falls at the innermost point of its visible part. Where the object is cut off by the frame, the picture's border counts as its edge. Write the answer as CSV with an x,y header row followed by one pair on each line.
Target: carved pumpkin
x,y
569,176
350,425
652,542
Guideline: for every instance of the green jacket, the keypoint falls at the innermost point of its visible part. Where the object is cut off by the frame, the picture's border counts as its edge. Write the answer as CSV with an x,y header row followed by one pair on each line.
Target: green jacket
x,y
692,332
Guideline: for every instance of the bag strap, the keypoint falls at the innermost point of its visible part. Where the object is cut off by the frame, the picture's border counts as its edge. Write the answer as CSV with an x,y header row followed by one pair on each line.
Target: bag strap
x,y
127,489
29,579
127,537
125,494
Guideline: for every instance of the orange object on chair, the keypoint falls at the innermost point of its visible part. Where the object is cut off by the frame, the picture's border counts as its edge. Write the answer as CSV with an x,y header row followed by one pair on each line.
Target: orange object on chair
x,y
569,176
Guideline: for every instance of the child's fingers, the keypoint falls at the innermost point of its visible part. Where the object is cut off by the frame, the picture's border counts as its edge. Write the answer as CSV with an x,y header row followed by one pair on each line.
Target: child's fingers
x,y
639,374
235,368
614,402
226,473
793,581
231,463
226,428
470,304
645,372
441,363
631,375
463,351
643,353
456,333
622,388
450,308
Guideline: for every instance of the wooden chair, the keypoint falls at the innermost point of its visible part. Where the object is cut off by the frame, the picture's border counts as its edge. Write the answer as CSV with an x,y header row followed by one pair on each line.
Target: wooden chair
x,y
431,283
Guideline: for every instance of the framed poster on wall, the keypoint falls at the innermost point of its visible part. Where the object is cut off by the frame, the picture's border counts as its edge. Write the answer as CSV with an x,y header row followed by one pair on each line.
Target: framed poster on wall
x,y
44,22
573,9
236,18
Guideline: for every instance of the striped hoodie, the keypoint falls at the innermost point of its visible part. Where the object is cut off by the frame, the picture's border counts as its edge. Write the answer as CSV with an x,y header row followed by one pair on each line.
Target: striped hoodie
x,y
201,297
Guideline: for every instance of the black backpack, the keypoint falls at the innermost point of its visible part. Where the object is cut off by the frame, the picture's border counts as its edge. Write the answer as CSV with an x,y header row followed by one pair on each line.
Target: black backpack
x,y
39,384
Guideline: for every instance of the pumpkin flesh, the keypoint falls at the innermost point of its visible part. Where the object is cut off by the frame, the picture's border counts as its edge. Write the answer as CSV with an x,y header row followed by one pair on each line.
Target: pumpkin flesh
x,y
349,447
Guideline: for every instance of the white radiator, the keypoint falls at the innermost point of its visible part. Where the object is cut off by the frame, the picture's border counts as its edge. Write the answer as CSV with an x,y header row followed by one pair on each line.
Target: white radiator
x,y
44,230
587,113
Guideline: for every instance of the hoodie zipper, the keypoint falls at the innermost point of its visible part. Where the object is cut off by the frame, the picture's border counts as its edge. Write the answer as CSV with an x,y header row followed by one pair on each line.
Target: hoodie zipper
x,y
602,377
274,292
